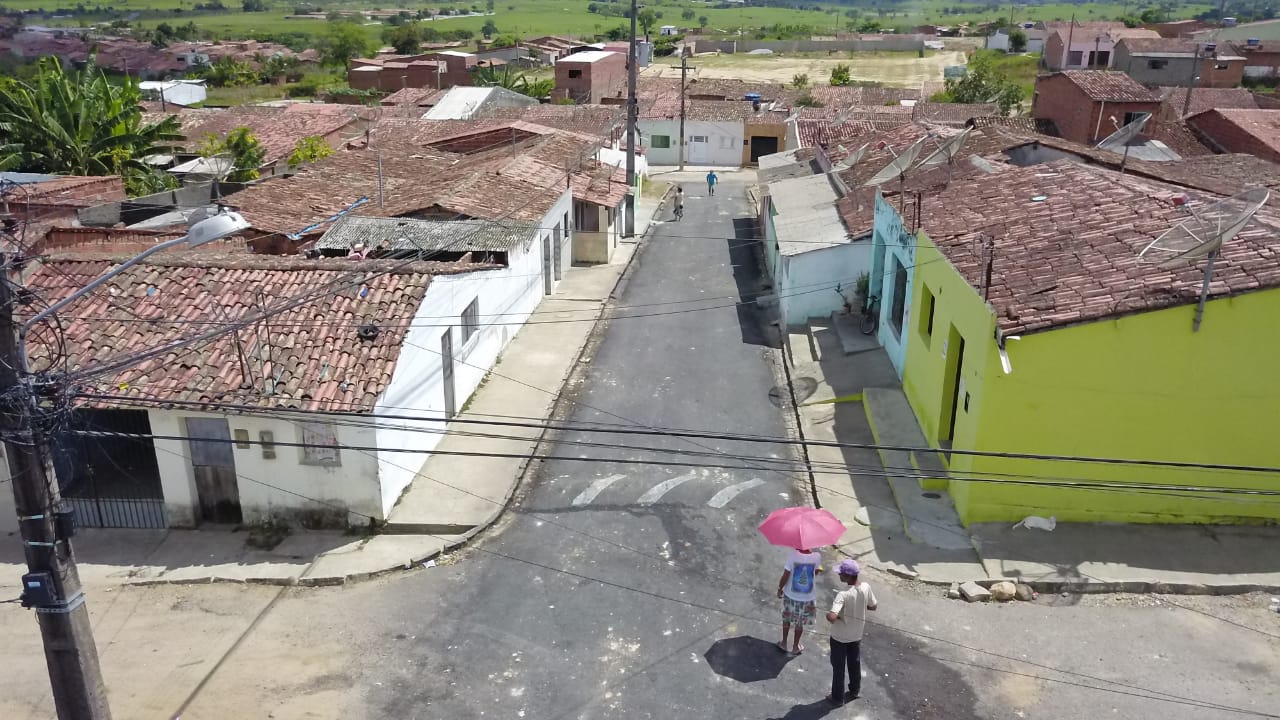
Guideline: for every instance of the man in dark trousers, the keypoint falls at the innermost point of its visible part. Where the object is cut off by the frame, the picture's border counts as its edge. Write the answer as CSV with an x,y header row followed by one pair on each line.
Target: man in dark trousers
x,y
712,179
848,618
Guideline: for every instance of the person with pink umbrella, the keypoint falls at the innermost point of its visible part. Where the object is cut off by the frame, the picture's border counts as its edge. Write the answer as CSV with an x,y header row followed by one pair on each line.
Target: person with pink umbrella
x,y
802,529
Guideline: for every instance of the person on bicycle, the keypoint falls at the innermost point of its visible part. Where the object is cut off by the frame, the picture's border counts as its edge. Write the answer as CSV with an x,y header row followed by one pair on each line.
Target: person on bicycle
x,y
679,202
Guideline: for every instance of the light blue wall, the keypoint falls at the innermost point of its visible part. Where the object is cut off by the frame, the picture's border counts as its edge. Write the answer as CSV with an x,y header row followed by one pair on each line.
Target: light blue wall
x,y
890,241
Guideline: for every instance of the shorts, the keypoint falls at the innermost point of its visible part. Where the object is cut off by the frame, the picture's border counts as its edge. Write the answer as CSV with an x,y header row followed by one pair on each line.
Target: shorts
x,y
798,612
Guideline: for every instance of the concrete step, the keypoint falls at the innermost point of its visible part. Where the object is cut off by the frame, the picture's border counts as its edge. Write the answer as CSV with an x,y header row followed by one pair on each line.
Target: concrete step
x,y
800,345
849,332
928,515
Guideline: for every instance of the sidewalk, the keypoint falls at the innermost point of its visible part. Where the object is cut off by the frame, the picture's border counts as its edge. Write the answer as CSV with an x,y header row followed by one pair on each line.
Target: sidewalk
x,y
909,527
431,517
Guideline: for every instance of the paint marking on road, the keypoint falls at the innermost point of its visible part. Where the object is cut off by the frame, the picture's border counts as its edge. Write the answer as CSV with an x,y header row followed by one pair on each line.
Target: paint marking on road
x,y
655,493
597,487
723,497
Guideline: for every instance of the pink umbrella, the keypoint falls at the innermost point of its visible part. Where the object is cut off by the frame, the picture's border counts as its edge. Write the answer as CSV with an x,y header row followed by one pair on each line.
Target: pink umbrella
x,y
801,527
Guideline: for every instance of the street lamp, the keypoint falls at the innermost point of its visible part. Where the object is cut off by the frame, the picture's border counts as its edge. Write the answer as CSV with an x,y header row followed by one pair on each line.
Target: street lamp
x,y
219,226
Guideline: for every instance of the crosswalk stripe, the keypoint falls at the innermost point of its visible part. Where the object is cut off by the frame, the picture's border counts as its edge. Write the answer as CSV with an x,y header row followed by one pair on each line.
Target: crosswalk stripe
x,y
597,487
723,497
655,493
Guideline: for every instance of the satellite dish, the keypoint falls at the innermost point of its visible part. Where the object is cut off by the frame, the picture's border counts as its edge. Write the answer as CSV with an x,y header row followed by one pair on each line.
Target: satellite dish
x,y
1207,229
1204,235
851,159
1124,136
946,153
900,165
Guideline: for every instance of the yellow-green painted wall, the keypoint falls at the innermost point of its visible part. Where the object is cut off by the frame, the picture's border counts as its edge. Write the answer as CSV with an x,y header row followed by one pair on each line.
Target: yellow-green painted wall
x,y
1140,386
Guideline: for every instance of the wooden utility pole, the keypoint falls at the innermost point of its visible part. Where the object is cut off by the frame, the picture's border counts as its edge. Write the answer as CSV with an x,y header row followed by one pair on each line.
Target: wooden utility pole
x,y
52,585
684,69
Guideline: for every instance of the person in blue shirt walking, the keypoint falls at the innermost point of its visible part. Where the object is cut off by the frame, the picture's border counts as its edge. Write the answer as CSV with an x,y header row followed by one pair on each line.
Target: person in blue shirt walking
x,y
711,182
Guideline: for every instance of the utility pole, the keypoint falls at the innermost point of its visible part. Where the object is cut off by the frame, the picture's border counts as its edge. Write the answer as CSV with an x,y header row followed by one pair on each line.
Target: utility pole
x,y
684,69
629,228
52,585
1195,67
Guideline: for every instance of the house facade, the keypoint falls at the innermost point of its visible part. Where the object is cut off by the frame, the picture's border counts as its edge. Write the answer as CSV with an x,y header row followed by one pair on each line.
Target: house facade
x,y
1057,340
591,76
893,258
324,426
1082,103
1254,132
1173,62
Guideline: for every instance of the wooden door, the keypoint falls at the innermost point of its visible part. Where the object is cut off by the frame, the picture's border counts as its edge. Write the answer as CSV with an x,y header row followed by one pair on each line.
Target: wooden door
x,y
214,465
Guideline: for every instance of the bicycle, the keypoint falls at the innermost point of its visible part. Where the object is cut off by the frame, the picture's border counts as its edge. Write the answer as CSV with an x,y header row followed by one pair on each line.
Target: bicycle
x,y
870,320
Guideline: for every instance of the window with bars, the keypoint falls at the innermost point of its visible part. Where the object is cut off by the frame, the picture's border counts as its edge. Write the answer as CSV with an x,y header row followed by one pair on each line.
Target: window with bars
x,y
470,320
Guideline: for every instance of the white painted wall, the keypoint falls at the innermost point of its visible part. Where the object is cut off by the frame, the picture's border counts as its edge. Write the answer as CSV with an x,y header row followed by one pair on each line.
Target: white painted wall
x,y
507,296
270,485
723,146
808,280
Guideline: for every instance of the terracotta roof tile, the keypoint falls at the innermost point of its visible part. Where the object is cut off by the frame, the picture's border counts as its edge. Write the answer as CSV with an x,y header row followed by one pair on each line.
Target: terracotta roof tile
x,y
308,357
953,114
274,126
1073,257
1109,86
1175,98
814,133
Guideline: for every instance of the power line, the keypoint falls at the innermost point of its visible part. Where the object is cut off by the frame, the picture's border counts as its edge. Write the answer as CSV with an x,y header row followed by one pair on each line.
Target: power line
x,y
702,434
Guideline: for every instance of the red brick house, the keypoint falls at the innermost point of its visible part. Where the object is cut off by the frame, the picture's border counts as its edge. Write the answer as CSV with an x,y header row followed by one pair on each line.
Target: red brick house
x,y
1255,132
1082,103
591,76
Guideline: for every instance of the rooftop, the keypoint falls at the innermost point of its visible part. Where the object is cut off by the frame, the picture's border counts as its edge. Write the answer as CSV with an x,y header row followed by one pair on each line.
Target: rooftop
x,y
805,216
953,114
1072,256
1262,125
277,127
308,357
401,234
815,133
462,102
598,120
70,191
1108,86
1160,46
588,56
1202,99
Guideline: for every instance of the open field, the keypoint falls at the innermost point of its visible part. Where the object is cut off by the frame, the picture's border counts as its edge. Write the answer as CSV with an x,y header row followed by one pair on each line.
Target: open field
x,y
896,69
570,17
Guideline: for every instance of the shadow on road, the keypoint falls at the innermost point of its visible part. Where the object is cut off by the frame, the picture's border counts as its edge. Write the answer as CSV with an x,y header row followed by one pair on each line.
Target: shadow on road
x,y
747,659
746,274
809,711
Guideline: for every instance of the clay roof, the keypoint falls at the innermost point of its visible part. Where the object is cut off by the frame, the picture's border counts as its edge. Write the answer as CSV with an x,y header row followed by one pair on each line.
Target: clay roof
x,y
954,114
1262,125
277,128
419,97
1109,86
1159,46
1202,99
1072,257
427,235
814,133
71,191
1020,123
598,120
308,357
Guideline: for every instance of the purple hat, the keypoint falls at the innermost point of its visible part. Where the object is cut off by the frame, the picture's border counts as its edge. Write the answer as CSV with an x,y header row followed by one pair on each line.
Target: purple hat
x,y
848,566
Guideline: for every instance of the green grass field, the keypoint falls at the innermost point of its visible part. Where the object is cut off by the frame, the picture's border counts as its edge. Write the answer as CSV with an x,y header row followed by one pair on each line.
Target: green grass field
x,y
570,17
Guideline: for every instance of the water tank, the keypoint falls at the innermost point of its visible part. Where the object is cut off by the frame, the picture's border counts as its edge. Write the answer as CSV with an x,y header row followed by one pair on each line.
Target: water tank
x,y
752,96
1228,22
1253,42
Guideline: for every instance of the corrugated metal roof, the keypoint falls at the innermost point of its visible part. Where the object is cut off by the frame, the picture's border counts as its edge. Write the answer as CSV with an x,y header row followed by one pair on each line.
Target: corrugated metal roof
x,y
431,235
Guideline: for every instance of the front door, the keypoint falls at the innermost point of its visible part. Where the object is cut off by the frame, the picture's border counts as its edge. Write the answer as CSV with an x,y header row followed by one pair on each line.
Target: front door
x,y
953,388
698,149
214,465
763,146
446,372
548,281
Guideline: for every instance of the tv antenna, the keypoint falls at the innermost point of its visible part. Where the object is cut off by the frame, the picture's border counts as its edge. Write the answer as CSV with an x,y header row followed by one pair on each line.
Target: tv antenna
x,y
946,153
1204,235
851,158
898,168
1124,136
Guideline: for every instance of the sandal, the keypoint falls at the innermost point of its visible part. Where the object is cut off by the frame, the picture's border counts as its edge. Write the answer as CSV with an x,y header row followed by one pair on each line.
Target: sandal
x,y
798,650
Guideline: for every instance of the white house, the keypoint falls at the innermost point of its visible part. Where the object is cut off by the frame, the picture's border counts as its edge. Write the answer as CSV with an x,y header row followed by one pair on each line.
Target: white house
x,y
808,248
299,413
667,30
999,40
174,92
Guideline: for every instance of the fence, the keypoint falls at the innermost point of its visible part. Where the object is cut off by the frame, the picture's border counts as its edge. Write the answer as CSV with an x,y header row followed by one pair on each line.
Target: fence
x,y
887,43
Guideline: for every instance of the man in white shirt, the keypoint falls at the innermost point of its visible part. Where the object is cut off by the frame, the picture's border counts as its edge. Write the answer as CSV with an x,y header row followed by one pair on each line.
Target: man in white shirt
x,y
799,591
848,618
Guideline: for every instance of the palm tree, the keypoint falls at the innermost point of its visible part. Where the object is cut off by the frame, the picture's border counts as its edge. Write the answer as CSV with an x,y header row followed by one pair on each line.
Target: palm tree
x,y
77,123
514,81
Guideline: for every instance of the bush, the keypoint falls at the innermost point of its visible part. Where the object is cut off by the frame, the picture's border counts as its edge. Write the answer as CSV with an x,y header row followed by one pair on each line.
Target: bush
x,y
808,100
800,81
841,74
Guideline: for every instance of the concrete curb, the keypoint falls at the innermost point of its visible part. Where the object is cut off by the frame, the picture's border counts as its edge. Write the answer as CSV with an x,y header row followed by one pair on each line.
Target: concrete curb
x,y
1137,587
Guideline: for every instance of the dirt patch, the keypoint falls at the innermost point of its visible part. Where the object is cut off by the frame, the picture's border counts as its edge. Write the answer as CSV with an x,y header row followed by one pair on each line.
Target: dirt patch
x,y
894,69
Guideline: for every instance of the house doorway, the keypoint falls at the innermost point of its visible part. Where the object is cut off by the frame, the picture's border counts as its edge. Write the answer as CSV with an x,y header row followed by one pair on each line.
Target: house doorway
x,y
446,372
214,464
112,482
698,149
548,281
763,146
952,388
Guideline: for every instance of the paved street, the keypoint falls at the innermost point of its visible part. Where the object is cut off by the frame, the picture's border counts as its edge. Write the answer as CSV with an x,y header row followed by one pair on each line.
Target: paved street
x,y
620,590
